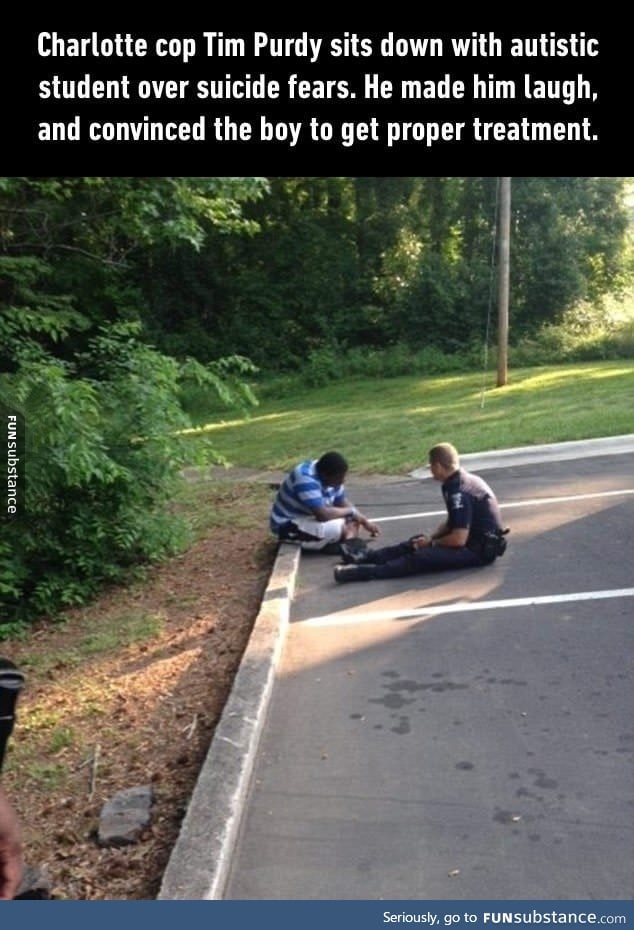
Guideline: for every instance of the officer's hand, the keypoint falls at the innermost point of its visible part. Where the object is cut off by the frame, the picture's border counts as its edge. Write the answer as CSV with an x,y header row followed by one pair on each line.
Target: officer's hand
x,y
419,542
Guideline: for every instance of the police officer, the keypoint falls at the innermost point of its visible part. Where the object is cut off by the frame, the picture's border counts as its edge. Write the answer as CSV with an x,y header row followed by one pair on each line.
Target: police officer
x,y
472,535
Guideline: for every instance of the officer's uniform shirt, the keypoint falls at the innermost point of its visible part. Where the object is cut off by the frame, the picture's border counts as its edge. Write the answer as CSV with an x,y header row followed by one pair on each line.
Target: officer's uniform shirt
x,y
471,504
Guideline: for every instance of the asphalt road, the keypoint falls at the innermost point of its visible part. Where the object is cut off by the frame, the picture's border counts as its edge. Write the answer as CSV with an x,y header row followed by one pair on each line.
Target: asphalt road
x,y
459,736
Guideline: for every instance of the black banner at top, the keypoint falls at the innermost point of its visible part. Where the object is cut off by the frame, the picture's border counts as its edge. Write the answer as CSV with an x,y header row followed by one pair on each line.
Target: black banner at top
x,y
206,99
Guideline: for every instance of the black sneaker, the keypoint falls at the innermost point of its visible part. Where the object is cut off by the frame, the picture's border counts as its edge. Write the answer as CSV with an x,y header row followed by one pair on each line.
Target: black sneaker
x,y
345,573
354,551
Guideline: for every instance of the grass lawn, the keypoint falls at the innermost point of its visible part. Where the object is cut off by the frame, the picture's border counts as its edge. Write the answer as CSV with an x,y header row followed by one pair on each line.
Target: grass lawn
x,y
387,426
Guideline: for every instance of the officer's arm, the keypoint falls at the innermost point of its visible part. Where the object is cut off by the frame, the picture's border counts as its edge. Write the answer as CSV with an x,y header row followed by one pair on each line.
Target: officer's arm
x,y
455,531
452,539
441,530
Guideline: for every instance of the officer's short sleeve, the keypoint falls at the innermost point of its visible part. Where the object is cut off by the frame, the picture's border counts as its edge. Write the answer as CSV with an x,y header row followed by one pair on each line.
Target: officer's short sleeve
x,y
460,510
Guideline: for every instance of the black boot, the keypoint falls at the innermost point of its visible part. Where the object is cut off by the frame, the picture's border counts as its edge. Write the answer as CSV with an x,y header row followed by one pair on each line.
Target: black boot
x,y
344,573
354,551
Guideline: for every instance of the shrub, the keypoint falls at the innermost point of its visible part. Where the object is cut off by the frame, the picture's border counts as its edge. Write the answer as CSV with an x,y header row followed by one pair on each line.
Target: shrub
x,y
583,335
103,453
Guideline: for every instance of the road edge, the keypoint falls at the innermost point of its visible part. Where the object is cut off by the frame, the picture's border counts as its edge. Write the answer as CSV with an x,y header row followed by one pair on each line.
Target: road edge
x,y
200,860
550,452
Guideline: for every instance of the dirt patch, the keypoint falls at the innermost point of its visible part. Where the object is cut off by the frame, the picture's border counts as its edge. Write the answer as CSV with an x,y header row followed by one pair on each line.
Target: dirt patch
x,y
128,692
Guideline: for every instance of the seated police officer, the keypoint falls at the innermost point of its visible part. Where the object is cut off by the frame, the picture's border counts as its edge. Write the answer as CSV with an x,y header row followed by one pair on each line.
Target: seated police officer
x,y
472,535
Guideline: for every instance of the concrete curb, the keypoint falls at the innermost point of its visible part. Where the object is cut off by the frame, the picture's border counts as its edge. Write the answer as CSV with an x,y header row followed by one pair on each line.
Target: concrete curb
x,y
528,455
200,861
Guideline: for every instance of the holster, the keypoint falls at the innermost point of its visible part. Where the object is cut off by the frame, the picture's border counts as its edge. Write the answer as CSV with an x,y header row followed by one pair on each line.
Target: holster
x,y
494,545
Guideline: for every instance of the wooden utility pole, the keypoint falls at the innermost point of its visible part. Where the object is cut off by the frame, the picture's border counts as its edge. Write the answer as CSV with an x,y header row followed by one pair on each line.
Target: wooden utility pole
x,y
504,251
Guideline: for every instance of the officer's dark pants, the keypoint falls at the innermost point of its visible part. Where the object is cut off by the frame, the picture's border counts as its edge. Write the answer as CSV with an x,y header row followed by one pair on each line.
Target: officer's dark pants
x,y
400,560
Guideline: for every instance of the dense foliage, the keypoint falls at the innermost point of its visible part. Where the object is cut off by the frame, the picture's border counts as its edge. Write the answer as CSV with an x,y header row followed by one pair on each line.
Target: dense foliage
x,y
102,407
374,262
116,294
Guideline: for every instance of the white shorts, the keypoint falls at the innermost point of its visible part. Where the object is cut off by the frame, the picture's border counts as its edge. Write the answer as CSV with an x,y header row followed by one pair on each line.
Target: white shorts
x,y
330,531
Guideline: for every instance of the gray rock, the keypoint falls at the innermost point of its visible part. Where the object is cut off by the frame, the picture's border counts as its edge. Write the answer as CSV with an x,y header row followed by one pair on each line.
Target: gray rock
x,y
125,816
35,885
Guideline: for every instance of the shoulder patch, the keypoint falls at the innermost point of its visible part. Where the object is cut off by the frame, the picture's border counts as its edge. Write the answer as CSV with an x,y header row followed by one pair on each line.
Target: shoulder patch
x,y
456,501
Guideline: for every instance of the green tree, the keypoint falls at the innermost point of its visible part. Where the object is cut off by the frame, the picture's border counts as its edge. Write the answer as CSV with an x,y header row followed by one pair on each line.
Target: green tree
x,y
568,240
343,262
102,408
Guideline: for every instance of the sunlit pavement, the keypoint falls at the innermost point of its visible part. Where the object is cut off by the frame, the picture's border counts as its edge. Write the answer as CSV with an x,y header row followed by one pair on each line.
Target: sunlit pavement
x,y
459,736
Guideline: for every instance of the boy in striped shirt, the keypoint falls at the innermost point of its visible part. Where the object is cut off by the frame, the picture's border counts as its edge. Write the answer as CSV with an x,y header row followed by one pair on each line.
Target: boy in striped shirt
x,y
311,506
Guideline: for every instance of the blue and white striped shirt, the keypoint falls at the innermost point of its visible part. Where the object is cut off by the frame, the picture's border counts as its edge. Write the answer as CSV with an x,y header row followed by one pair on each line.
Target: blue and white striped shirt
x,y
301,493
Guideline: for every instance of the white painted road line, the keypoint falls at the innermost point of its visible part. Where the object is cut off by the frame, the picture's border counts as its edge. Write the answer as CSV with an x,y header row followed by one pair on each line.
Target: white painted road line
x,y
536,502
464,606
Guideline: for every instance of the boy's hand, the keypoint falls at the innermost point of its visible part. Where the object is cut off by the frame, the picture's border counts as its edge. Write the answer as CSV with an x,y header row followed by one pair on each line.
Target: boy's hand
x,y
372,529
